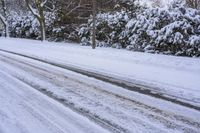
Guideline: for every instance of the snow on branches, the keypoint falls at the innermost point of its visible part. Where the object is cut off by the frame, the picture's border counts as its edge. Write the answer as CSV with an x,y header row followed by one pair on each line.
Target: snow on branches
x,y
174,30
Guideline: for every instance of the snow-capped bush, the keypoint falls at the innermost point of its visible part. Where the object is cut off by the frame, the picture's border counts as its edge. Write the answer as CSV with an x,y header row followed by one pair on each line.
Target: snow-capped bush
x,y
27,26
24,26
109,27
174,30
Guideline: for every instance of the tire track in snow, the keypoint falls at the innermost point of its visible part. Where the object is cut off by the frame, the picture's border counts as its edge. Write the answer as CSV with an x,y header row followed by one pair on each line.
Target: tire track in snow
x,y
119,82
122,98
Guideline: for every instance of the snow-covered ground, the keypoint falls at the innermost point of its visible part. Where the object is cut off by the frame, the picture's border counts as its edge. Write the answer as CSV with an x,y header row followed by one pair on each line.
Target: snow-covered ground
x,y
176,76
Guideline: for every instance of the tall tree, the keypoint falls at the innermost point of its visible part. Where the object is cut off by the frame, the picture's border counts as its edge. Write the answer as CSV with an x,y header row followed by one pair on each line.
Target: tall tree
x,y
3,17
38,12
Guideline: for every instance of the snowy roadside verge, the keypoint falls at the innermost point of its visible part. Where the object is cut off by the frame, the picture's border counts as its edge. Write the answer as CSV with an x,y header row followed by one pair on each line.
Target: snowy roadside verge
x,y
176,76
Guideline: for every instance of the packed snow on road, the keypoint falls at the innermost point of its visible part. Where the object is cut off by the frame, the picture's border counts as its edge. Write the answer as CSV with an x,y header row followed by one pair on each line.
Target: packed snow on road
x,y
39,97
25,110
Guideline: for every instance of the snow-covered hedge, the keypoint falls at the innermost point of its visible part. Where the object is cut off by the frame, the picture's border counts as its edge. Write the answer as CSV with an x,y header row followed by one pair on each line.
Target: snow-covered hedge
x,y
27,26
109,27
24,26
174,30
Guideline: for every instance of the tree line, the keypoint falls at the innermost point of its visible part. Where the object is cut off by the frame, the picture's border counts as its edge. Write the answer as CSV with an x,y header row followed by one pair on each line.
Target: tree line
x,y
76,11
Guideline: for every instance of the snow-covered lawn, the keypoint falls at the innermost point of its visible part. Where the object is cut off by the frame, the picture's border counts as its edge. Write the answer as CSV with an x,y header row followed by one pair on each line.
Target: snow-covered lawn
x,y
177,76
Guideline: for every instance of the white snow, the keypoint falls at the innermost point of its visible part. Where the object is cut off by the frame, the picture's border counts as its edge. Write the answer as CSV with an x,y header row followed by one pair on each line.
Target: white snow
x,y
25,110
176,76
151,3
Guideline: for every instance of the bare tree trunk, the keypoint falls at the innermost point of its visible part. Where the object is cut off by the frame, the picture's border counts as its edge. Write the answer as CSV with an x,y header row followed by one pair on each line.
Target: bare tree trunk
x,y
42,24
6,29
94,25
42,30
3,18
39,15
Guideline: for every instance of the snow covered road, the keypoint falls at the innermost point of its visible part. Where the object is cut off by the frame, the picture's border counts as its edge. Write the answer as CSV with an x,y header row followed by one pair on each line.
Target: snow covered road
x,y
33,94
25,110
